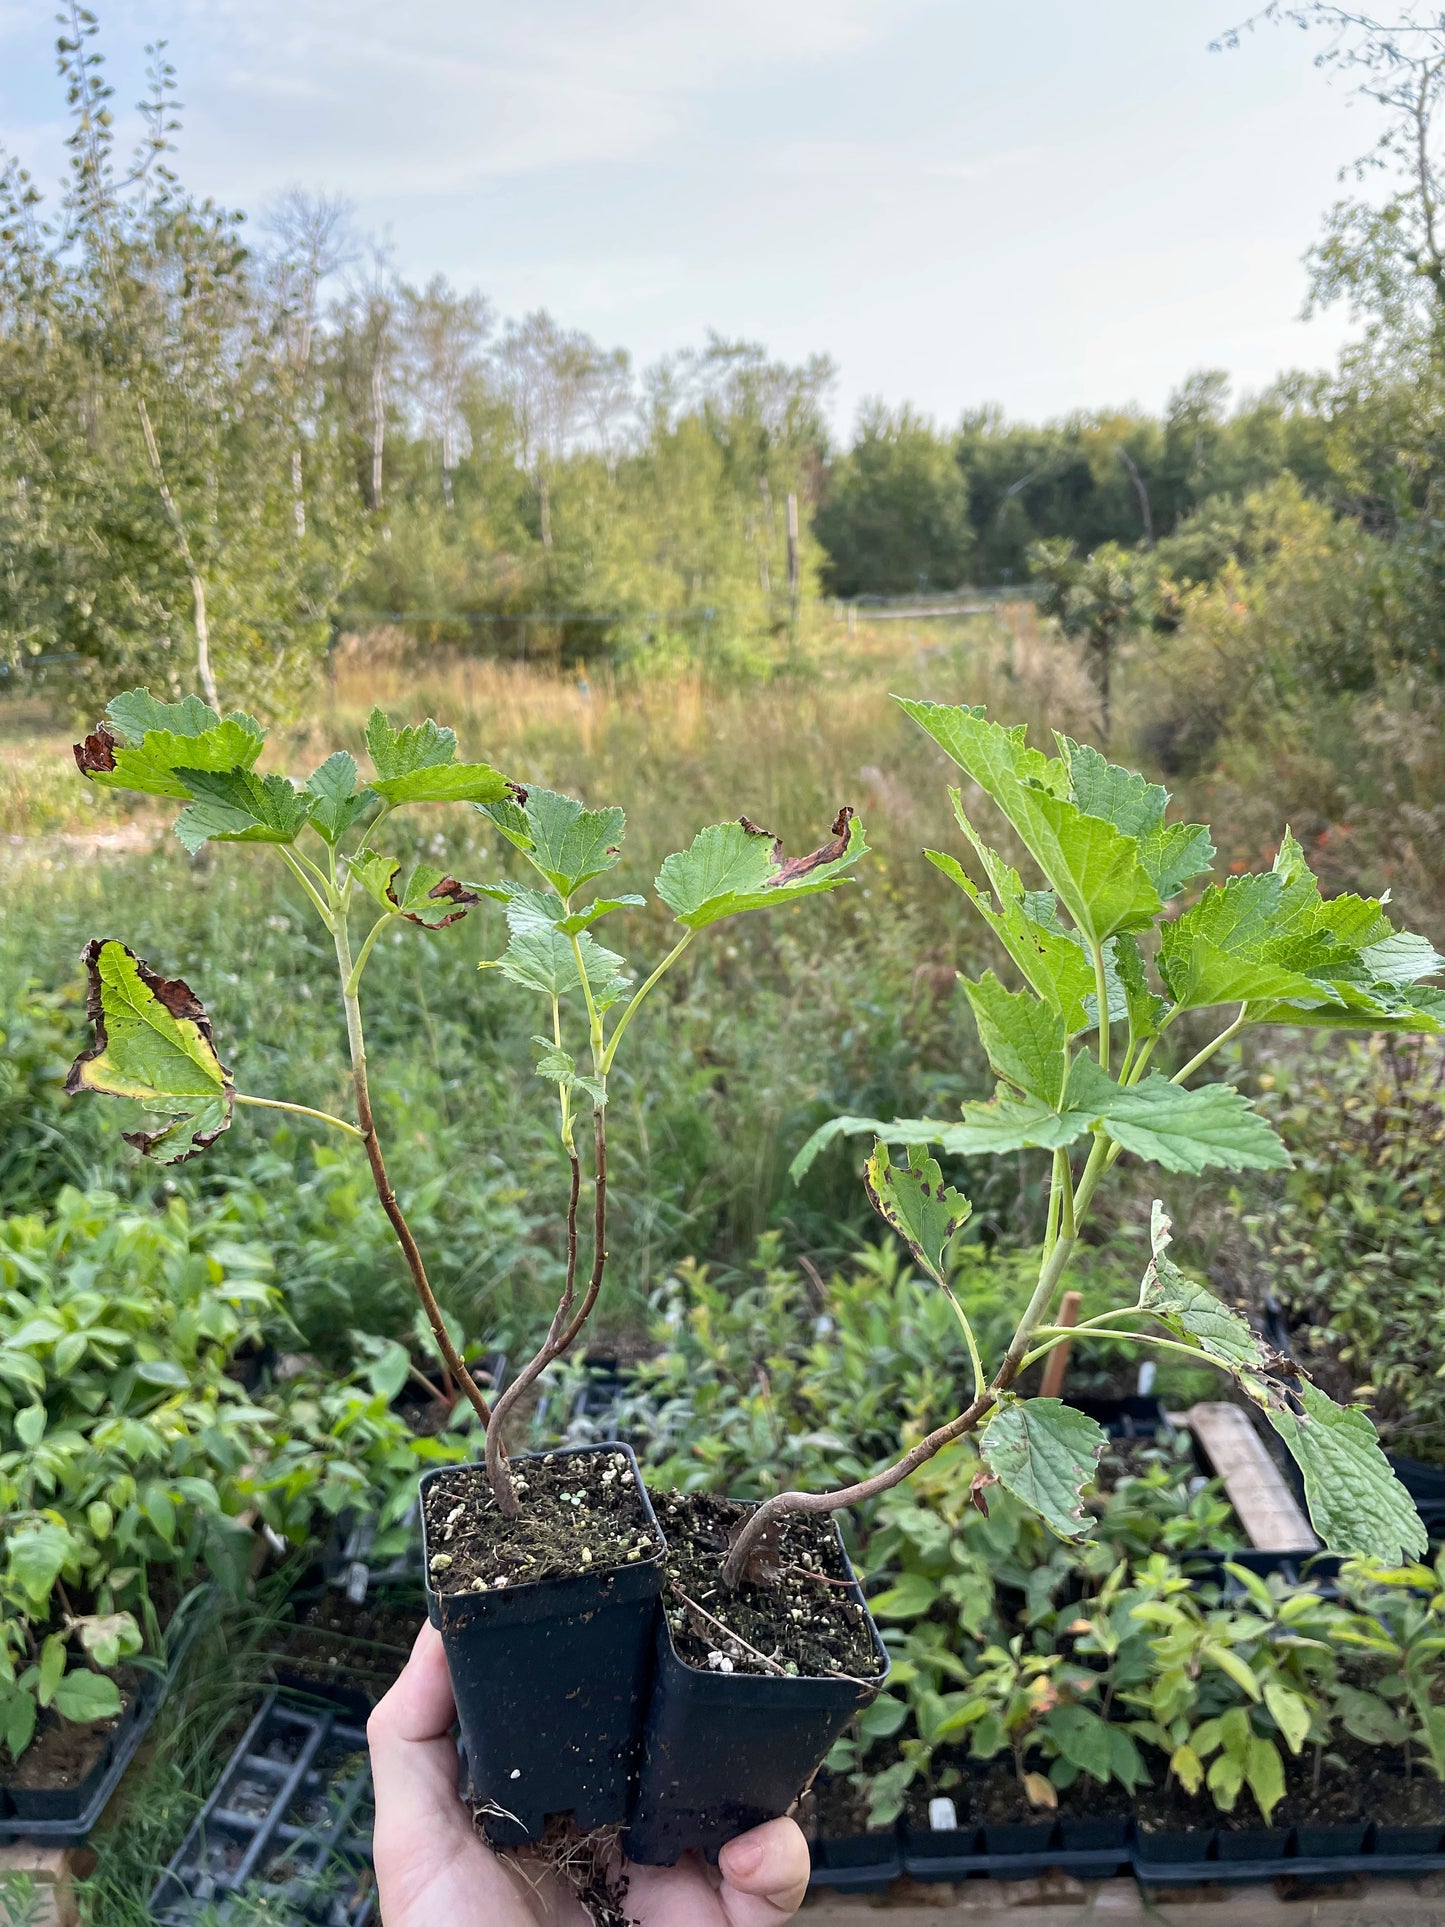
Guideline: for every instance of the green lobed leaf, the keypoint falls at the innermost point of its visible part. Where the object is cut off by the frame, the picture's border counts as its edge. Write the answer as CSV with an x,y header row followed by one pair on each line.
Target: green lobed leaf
x,y
1023,1036
1192,1312
1183,1129
1143,1007
1355,1502
580,920
334,801
1094,869
237,806
541,958
418,765
1052,959
142,743
1045,1452
1010,1123
568,843
153,1043
916,1203
731,867
560,1067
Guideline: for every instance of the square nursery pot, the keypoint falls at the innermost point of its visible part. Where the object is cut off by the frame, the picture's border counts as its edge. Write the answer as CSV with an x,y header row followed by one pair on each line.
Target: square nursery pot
x,y
1406,1843
859,1863
1159,1854
1339,1842
726,1751
551,1681
1253,1843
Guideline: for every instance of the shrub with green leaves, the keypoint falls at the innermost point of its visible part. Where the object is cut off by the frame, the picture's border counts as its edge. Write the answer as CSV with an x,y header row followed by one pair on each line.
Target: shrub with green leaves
x,y
129,1464
153,1041
1351,1240
1107,963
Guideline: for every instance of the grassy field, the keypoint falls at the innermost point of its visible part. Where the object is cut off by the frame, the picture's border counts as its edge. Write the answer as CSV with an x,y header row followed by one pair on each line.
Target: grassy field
x,y
848,1002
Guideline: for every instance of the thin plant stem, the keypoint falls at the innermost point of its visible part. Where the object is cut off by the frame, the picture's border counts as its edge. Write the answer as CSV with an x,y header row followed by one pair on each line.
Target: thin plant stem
x,y
357,1045
301,1110
637,996
363,956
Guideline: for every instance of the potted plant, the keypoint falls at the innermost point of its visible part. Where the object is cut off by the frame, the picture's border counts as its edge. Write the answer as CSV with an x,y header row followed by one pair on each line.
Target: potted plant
x,y
543,1573
734,1726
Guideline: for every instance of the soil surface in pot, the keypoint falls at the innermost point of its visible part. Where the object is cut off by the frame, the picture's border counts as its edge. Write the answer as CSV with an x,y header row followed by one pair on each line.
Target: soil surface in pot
x,y
838,1810
63,1751
1358,1786
996,1798
581,1512
804,1621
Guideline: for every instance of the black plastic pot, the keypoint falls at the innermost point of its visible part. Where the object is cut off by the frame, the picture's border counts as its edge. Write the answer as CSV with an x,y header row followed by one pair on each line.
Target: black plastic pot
x,y
1330,1843
1409,1842
1253,1843
551,1684
1131,1417
726,1751
859,1863
343,1668
288,1823
1093,1848
64,1816
1426,1486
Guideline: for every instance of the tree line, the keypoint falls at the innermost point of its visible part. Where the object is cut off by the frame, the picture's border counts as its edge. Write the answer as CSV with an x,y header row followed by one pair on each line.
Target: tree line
x,y
219,442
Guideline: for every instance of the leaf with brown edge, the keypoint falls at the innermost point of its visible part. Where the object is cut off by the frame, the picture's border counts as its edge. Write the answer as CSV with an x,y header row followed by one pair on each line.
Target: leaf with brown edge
x,y
914,1201
430,898
153,1043
736,866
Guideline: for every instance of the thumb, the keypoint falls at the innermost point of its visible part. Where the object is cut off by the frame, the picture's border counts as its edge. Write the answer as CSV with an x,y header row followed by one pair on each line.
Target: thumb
x,y
764,1875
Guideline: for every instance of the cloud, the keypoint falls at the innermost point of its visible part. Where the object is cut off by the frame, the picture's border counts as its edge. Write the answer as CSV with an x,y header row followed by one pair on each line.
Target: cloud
x,y
401,105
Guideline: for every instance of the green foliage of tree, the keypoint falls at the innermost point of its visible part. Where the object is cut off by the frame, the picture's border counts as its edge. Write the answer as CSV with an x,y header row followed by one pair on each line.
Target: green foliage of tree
x,y
169,501
894,518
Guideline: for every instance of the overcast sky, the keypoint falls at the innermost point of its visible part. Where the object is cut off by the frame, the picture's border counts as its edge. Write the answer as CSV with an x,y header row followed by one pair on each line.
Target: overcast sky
x,y
1066,204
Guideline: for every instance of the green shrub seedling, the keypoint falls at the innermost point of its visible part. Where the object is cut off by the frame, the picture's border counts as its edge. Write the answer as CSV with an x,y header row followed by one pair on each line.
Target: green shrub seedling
x,y
1266,948
153,1039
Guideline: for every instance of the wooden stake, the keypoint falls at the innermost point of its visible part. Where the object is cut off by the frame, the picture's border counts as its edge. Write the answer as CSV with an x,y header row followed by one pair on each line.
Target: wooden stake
x,y
1057,1364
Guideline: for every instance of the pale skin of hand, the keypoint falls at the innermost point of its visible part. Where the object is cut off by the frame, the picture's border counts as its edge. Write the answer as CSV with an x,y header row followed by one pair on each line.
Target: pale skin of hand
x,y
433,1871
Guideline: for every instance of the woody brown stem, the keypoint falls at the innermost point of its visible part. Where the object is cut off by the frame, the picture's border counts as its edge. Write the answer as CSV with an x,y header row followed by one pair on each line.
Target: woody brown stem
x,y
356,1041
567,1320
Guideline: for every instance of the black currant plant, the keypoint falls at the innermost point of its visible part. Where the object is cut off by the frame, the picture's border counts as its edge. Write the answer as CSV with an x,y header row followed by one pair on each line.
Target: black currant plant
x,y
1263,949
153,1040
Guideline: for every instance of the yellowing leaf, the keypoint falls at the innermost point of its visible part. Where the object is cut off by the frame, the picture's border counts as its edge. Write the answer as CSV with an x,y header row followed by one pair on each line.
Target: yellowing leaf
x,y
152,1043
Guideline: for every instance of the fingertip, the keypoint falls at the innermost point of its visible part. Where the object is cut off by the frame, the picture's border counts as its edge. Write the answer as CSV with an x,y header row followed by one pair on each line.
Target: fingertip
x,y
770,1861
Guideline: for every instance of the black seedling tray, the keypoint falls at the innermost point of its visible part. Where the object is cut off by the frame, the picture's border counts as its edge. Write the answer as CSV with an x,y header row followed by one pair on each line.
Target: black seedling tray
x,y
1018,1851
290,1819
92,1796
1220,1855
856,1863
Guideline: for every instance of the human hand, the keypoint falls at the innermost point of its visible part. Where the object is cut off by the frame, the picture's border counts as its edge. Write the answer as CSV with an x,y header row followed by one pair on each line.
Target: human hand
x,y
434,1870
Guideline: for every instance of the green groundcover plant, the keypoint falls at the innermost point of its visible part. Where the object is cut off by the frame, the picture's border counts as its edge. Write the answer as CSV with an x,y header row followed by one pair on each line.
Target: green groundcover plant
x,y
153,1039
1094,938
127,1468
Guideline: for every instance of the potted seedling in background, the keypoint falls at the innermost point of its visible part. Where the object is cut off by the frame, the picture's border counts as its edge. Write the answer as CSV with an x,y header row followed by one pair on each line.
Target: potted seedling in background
x,y
543,1574
1107,969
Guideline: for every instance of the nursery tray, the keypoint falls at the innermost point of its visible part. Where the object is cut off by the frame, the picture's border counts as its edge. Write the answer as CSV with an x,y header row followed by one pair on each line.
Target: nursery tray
x,y
856,1863
1017,1852
1216,1855
73,1829
282,1806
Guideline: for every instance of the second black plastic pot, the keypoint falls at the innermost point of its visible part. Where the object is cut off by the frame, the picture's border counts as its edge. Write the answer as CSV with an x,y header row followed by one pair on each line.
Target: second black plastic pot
x,y
726,1751
551,1684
